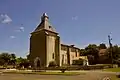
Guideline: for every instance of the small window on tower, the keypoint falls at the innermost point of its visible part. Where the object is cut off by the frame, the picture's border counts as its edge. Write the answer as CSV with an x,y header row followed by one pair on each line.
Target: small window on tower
x,y
76,54
53,55
49,27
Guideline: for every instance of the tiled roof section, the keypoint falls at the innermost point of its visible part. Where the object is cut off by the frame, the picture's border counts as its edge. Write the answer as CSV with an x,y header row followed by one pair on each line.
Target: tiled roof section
x,y
45,24
71,46
102,52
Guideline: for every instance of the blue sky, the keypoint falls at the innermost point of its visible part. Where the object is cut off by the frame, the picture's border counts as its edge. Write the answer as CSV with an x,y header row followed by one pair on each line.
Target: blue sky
x,y
78,22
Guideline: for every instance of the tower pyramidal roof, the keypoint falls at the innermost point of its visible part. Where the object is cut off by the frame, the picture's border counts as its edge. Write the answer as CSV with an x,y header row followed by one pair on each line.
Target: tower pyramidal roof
x,y
44,24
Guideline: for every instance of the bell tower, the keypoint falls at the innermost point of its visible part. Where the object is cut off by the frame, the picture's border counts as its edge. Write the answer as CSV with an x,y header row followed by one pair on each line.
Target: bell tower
x,y
44,43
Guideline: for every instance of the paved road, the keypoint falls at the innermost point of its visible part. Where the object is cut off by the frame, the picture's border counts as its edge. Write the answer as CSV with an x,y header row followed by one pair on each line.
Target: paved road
x,y
90,75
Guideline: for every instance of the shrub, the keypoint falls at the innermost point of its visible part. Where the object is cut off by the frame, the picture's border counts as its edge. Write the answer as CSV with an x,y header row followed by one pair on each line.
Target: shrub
x,y
52,64
63,70
78,62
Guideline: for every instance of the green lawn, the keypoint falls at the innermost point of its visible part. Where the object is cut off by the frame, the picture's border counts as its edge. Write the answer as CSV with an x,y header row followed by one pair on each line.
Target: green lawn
x,y
113,69
9,66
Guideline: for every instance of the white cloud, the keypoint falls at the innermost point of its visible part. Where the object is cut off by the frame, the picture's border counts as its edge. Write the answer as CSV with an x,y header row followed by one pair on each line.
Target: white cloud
x,y
75,18
21,29
5,19
12,37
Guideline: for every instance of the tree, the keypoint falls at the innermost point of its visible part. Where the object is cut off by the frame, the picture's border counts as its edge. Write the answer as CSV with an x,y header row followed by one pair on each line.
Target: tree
x,y
116,52
91,59
92,53
92,49
23,62
83,52
2,61
28,56
13,56
13,59
5,58
102,46
19,60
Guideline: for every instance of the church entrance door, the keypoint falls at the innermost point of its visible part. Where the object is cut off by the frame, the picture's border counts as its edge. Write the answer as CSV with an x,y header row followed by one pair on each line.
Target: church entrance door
x,y
37,63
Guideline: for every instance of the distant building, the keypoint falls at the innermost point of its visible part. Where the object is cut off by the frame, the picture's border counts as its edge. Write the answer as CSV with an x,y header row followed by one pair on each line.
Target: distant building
x,y
45,46
103,57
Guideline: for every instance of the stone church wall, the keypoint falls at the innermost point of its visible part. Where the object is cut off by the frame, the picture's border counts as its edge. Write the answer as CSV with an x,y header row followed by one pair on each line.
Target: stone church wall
x,y
37,47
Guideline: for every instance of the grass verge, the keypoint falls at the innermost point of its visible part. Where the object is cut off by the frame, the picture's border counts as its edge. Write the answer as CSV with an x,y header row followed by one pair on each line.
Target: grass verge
x,y
113,69
45,73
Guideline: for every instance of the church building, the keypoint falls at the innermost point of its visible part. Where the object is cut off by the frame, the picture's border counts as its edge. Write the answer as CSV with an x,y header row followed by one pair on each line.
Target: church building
x,y
45,46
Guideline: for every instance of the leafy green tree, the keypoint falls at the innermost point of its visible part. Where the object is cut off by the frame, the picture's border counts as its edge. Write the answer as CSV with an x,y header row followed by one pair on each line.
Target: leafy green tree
x,y
102,46
92,49
13,56
92,53
83,52
28,56
19,60
23,62
5,58
116,52
13,59
2,61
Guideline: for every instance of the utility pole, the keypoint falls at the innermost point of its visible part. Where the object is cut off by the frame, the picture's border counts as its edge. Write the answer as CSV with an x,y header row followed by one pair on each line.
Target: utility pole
x,y
110,44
